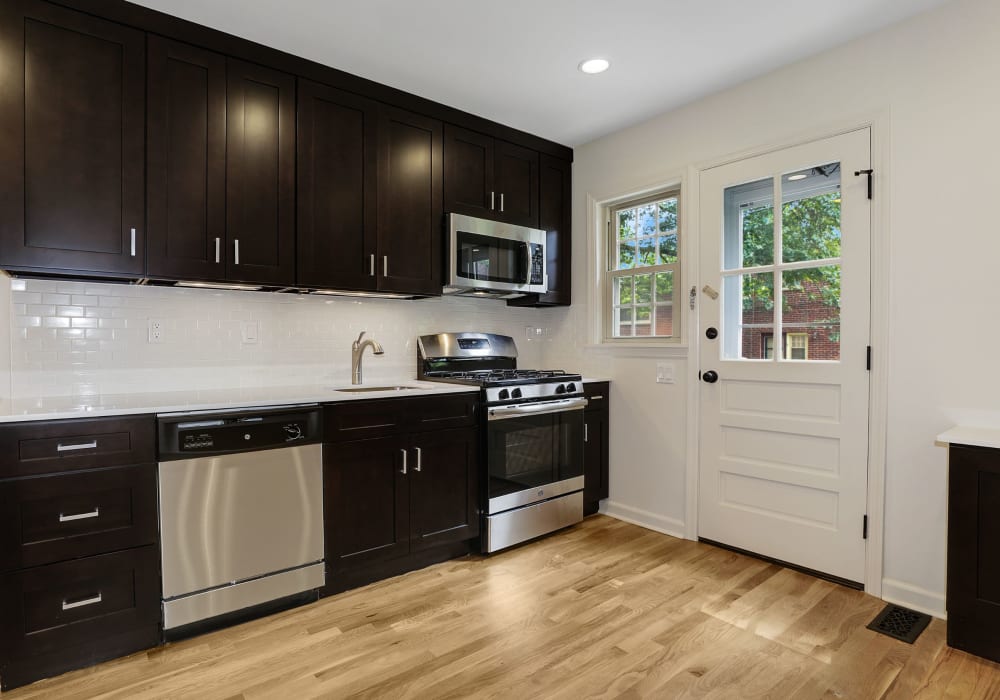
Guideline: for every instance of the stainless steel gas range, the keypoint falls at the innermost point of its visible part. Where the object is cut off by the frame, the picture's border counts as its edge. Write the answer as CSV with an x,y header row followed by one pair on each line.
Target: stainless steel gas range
x,y
532,429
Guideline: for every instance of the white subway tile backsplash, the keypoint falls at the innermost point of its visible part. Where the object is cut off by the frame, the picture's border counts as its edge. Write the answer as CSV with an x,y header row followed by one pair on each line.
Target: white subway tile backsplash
x,y
76,338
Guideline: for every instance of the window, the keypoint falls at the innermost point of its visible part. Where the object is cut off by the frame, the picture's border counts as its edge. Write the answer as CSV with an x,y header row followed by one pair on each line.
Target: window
x,y
796,345
643,276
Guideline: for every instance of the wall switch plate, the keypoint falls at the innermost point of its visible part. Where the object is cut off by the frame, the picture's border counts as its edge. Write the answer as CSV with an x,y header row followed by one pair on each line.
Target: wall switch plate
x,y
535,333
154,330
251,332
664,372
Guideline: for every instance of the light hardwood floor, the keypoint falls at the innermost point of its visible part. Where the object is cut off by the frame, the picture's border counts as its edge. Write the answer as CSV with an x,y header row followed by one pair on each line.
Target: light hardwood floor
x,y
604,609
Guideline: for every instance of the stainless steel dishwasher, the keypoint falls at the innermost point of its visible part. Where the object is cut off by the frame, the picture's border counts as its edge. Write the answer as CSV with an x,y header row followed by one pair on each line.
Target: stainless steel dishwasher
x,y
241,510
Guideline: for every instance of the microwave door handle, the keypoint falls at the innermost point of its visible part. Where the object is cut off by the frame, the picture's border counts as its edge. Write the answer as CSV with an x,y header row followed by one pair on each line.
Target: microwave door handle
x,y
526,261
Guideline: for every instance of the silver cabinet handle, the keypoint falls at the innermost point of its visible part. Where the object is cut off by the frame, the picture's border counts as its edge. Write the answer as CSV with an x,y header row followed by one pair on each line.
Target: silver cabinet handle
x,y
80,603
417,468
492,200
236,251
403,470
596,397
79,446
501,202
218,243
586,434
79,516
133,243
385,265
371,265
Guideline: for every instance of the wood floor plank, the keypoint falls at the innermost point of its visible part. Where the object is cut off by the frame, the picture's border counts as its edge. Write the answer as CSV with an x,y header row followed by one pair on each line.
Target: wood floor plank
x,y
601,610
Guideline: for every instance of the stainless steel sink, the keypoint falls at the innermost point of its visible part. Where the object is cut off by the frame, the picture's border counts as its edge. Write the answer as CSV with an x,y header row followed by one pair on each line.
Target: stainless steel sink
x,y
360,389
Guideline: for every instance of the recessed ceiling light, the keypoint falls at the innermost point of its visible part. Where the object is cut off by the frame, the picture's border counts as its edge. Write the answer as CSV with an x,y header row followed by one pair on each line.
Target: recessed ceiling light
x,y
594,65
797,176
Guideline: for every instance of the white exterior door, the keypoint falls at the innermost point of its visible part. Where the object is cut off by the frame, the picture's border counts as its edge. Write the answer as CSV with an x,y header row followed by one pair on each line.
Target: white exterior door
x,y
785,243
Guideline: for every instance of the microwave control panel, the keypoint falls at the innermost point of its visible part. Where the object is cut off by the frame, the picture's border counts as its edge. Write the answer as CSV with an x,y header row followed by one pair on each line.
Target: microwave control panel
x,y
537,264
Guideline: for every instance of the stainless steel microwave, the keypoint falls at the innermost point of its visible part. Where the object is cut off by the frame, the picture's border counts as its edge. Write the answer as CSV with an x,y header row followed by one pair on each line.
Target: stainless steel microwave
x,y
493,259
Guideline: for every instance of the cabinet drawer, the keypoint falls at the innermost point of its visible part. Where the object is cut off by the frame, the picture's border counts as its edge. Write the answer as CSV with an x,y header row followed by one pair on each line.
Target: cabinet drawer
x,y
78,602
54,518
27,449
359,420
597,396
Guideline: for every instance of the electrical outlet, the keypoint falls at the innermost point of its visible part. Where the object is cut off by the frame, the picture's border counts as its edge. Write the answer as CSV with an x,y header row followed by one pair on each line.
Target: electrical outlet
x,y
664,372
535,333
250,332
154,330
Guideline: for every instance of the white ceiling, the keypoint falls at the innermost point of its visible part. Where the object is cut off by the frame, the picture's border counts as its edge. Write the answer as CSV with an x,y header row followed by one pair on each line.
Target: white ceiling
x,y
515,61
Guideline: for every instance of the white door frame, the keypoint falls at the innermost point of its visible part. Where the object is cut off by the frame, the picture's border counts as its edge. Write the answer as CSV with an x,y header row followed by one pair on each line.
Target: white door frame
x,y
878,122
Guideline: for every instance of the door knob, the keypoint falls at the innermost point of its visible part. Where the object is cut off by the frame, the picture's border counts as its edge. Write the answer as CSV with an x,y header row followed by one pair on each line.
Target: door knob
x,y
711,376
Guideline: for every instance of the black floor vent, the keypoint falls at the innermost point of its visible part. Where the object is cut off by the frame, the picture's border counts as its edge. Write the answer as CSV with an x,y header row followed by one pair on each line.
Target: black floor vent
x,y
900,623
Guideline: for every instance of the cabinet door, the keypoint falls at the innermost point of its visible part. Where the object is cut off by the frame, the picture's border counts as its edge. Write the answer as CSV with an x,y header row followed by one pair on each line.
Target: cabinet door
x,y
71,185
410,224
468,173
595,459
260,174
516,173
186,146
555,217
444,504
336,244
366,502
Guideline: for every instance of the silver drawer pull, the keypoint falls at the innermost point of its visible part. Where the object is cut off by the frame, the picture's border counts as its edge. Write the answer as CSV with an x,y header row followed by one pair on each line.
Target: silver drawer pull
x,y
596,397
78,446
79,516
80,603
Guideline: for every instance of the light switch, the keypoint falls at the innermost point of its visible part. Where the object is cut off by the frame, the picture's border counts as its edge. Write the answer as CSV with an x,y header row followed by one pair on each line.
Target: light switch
x,y
664,372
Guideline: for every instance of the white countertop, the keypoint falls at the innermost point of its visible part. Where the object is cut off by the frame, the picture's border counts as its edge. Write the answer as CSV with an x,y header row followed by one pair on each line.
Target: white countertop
x,y
977,437
59,407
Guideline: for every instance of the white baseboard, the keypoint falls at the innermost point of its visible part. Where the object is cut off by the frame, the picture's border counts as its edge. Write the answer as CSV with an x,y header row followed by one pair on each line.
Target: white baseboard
x,y
643,518
914,597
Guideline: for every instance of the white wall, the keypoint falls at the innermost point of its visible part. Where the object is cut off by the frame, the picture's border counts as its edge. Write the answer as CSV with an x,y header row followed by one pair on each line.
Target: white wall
x,y
936,76
78,338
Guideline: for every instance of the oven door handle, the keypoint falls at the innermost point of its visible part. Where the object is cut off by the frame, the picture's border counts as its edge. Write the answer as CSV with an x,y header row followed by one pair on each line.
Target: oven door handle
x,y
537,409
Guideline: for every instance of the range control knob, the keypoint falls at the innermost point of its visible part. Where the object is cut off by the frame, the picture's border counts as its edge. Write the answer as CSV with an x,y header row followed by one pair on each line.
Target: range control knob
x,y
515,394
570,388
293,431
504,394
561,389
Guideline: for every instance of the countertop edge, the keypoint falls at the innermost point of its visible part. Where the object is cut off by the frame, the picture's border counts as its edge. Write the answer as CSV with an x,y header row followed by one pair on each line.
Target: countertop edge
x,y
141,404
973,436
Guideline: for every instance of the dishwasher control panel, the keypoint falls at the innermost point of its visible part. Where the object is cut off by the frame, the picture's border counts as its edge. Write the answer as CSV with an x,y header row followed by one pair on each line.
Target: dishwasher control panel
x,y
183,436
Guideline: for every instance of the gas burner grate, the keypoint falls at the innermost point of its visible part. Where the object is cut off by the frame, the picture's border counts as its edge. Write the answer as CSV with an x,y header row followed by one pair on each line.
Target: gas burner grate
x,y
900,623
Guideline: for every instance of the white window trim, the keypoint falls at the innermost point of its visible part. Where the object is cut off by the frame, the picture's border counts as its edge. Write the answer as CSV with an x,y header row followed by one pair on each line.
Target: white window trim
x,y
599,302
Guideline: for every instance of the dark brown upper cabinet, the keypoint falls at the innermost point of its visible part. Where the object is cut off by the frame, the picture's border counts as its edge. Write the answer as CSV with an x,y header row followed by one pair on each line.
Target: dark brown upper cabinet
x,y
221,144
260,174
186,148
410,222
490,178
555,217
336,242
72,105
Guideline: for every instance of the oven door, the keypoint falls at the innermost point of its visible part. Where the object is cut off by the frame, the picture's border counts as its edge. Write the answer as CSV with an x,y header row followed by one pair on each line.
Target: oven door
x,y
535,452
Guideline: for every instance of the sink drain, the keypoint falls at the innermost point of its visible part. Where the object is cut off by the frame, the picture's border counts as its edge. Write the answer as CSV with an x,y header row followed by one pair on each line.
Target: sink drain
x,y
900,623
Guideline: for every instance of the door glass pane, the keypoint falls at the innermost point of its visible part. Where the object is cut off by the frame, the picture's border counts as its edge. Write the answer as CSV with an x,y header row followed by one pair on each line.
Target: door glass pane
x,y
749,314
811,313
810,214
749,225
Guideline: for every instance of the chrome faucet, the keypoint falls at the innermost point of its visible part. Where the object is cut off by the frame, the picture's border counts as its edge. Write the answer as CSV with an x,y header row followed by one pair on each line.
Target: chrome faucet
x,y
357,348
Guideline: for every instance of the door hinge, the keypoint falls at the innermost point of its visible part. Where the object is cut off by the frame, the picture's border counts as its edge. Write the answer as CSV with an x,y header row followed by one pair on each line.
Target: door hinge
x,y
864,528
871,180
868,358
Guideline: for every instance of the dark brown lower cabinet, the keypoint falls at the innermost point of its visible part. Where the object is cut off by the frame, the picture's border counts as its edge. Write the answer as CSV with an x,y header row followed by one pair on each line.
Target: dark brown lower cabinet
x,y
76,613
391,502
973,542
595,449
